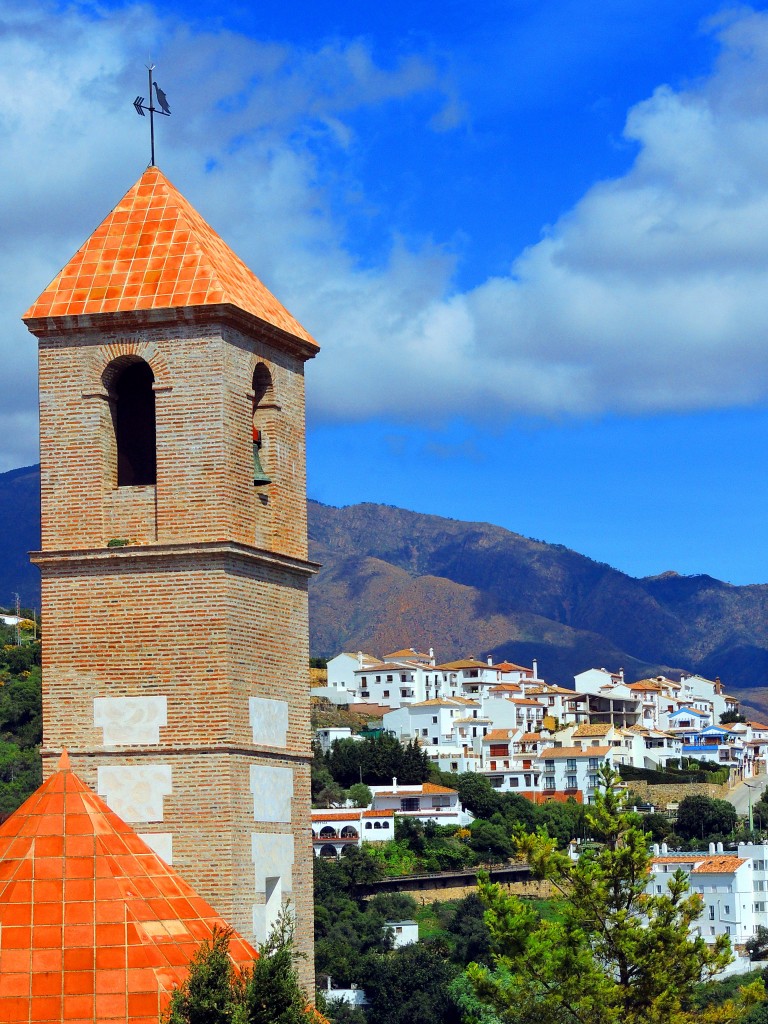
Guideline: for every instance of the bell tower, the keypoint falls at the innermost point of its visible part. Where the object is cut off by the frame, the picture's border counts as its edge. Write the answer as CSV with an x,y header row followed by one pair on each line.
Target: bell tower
x,y
174,552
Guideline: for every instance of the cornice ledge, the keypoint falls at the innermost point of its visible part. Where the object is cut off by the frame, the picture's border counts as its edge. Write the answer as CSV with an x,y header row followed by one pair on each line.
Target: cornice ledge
x,y
211,549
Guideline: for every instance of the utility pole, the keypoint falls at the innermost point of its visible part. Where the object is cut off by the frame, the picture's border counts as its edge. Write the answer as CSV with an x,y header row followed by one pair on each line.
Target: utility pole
x,y
18,620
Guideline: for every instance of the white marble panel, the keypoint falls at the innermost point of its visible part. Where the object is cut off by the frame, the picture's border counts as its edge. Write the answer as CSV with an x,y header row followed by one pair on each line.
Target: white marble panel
x,y
135,792
272,789
266,914
160,842
128,721
272,855
269,721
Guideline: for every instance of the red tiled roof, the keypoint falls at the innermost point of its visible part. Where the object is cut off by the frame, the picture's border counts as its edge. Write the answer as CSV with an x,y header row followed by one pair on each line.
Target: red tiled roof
x,y
94,926
553,753
497,734
333,815
155,251
718,865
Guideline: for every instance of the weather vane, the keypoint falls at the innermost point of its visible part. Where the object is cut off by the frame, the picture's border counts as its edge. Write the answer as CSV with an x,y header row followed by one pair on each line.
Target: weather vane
x,y
163,108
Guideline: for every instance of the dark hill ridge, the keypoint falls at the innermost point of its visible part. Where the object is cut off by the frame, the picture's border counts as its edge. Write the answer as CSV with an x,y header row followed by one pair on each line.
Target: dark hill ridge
x,y
392,577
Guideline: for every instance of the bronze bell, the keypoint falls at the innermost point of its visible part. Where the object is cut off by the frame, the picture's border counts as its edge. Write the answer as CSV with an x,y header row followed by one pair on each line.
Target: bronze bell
x,y
259,476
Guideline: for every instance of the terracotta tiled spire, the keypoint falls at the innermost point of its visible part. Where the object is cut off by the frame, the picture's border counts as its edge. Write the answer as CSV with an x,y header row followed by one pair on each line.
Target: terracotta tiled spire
x,y
155,251
93,925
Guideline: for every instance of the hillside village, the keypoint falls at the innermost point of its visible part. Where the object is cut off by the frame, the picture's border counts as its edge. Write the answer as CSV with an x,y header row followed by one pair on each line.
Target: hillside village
x,y
539,740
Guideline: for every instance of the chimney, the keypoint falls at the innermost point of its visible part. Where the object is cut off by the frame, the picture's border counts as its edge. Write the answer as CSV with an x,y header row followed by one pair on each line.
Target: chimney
x,y
431,656
394,784
719,847
360,658
655,849
535,669
489,659
621,674
664,849
711,847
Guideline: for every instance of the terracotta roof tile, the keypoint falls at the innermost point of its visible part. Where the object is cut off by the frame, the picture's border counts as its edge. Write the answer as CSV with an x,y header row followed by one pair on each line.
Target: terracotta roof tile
x,y
718,865
155,251
552,753
598,729
87,906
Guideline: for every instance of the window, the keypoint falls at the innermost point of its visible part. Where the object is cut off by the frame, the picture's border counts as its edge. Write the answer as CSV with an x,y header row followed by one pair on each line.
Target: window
x,y
435,740
411,803
135,430
389,679
377,824
549,766
570,765
368,824
594,762
727,929
434,719
658,888
454,766
378,679
727,909
570,782
385,825
385,693
425,732
711,913
514,781
549,783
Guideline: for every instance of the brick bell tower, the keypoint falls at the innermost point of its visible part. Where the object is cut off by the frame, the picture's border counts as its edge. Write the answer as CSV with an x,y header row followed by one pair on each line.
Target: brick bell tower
x,y
174,552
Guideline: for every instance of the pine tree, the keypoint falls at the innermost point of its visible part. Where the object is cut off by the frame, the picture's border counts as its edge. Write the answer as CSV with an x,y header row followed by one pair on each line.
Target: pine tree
x,y
617,955
215,992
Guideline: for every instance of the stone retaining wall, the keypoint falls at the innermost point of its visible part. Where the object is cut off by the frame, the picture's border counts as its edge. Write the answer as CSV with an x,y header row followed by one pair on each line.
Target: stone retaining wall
x,y
662,796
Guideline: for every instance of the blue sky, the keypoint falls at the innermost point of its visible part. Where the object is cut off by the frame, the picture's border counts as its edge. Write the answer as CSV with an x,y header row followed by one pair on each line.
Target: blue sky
x,y
530,237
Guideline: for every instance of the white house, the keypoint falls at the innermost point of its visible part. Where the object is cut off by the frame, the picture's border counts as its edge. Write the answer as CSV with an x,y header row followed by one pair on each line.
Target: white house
x,y
404,933
573,771
733,887
325,738
336,829
425,802
341,671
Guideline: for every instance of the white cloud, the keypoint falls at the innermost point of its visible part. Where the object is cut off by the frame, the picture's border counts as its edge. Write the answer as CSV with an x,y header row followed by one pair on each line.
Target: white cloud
x,y
650,294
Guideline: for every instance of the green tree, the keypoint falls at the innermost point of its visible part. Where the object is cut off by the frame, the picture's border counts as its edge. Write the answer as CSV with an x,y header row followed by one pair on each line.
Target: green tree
x,y
478,795
659,826
410,986
615,955
700,816
360,795
215,992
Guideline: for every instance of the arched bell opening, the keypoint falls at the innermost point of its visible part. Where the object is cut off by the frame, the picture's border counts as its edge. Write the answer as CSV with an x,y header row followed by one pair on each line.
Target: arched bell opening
x,y
263,400
130,384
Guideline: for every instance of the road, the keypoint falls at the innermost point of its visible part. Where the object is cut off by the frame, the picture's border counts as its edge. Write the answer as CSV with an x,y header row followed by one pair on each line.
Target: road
x,y
739,795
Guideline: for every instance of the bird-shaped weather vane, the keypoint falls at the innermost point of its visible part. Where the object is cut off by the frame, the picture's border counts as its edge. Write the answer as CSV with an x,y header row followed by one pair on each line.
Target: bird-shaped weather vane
x,y
162,108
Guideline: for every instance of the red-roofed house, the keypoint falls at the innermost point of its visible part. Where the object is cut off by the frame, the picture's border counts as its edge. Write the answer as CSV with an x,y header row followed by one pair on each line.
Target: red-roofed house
x,y
426,802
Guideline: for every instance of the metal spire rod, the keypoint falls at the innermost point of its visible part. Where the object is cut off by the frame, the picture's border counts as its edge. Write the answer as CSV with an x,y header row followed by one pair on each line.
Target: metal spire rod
x,y
163,109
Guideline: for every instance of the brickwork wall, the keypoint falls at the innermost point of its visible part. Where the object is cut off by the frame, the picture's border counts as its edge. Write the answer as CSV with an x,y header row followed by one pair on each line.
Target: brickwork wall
x,y
177,667
204,415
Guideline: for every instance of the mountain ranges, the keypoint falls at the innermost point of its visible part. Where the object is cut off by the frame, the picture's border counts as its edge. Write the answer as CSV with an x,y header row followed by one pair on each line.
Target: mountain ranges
x,y
392,579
